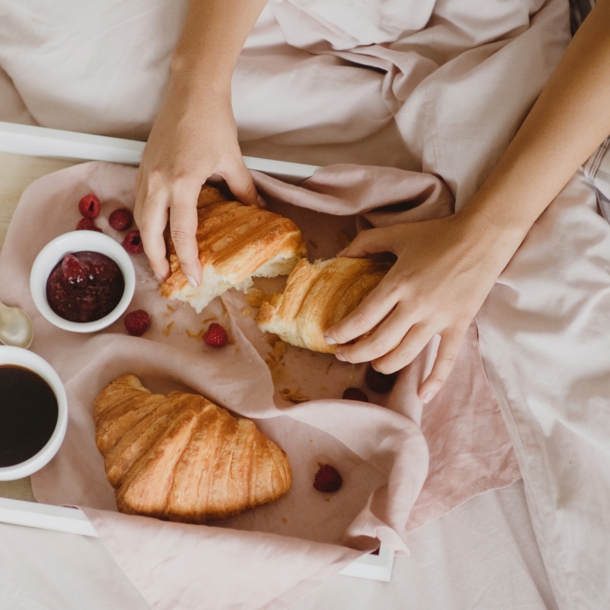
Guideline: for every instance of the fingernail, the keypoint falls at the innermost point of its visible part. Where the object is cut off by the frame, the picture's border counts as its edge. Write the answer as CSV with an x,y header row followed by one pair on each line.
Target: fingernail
x,y
340,357
340,254
261,202
192,281
329,340
427,397
160,278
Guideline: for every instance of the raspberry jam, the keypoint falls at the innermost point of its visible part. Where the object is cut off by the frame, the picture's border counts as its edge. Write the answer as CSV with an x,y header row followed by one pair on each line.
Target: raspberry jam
x,y
85,286
28,414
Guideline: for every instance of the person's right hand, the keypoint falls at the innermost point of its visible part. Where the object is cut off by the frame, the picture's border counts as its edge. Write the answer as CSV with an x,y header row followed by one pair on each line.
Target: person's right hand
x,y
194,137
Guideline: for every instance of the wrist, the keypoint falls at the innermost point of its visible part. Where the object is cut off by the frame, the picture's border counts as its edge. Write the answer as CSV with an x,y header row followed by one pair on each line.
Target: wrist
x,y
195,74
482,227
189,86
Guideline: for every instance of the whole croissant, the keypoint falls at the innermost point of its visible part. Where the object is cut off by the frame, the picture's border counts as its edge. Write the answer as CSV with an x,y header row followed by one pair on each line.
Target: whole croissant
x,y
316,297
182,458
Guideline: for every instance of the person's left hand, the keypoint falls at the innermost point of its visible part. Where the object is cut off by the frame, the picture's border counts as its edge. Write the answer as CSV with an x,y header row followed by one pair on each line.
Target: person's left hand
x,y
444,271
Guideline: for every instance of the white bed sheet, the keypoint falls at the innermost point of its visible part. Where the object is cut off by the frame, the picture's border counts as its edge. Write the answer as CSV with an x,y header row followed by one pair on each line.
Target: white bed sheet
x,y
482,555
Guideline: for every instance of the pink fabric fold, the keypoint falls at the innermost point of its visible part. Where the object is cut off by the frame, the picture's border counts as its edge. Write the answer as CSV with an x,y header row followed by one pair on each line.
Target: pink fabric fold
x,y
403,463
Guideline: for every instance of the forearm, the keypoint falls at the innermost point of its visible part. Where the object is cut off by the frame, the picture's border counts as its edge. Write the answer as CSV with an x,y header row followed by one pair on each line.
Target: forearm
x,y
569,120
213,36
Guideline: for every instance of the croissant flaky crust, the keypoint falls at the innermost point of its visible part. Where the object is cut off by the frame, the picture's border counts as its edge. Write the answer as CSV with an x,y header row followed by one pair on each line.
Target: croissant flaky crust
x,y
316,297
182,458
236,242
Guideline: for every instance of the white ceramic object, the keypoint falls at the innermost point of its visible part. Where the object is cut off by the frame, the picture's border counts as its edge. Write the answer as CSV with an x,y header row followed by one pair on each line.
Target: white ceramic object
x,y
22,357
80,241
15,326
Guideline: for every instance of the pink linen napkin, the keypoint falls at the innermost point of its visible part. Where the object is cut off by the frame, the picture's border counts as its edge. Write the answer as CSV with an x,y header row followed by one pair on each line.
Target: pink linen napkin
x,y
403,464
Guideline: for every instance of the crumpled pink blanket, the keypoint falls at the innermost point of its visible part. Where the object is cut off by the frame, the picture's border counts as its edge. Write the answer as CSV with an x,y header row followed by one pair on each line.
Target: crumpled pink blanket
x,y
403,463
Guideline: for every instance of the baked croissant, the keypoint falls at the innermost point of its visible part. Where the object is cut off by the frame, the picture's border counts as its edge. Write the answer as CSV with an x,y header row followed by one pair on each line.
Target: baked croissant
x,y
182,458
316,297
236,243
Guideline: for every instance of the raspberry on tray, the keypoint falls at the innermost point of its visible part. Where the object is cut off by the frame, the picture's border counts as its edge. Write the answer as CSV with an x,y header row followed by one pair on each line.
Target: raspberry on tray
x,y
120,219
137,322
90,206
86,224
328,479
133,242
215,336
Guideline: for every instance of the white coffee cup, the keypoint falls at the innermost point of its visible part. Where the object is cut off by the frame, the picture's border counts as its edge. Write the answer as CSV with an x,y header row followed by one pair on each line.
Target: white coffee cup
x,y
17,356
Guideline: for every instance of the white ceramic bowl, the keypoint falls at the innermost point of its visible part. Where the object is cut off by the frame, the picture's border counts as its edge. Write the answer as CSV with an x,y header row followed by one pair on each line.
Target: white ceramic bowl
x,y
22,357
80,241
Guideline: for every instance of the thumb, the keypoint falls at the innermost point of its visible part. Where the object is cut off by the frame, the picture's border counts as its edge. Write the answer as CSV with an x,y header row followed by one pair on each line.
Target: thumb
x,y
371,241
242,186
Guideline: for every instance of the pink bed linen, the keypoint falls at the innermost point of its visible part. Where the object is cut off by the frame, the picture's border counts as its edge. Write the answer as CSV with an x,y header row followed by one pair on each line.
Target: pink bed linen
x,y
546,345
402,464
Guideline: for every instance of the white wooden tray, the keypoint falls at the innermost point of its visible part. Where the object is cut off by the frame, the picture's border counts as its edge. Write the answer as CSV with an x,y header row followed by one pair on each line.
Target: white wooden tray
x,y
72,520
43,142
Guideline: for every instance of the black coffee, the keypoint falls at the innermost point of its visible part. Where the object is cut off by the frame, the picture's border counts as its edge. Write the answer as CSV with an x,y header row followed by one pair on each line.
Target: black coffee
x,y
28,414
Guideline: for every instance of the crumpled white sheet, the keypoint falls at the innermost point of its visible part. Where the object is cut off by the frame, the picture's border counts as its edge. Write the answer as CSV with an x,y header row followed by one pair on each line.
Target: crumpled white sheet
x,y
545,340
445,99
482,550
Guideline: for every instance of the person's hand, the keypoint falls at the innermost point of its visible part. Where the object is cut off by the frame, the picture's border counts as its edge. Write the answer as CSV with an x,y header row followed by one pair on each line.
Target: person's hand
x,y
442,275
193,138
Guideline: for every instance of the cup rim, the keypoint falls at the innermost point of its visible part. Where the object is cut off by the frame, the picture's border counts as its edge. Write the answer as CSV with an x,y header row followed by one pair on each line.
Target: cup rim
x,y
79,241
18,356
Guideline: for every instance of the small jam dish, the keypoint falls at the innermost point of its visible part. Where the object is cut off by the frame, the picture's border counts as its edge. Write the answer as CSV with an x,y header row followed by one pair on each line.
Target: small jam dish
x,y
80,242
33,413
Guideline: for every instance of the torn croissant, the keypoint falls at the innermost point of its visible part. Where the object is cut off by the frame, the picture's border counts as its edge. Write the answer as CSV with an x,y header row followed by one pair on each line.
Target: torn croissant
x,y
236,243
316,297
182,458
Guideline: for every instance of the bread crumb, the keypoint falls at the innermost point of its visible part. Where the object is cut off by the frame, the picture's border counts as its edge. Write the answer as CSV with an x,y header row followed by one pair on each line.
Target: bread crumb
x,y
326,499
270,338
330,366
343,239
170,308
209,320
279,348
198,335
276,356
279,374
294,396
246,312
167,329
284,520
255,297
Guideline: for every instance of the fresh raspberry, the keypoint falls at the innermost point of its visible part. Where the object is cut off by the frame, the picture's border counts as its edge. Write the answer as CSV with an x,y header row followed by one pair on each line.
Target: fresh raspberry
x,y
133,242
378,382
327,479
137,322
120,219
90,206
86,224
215,336
355,394
73,271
